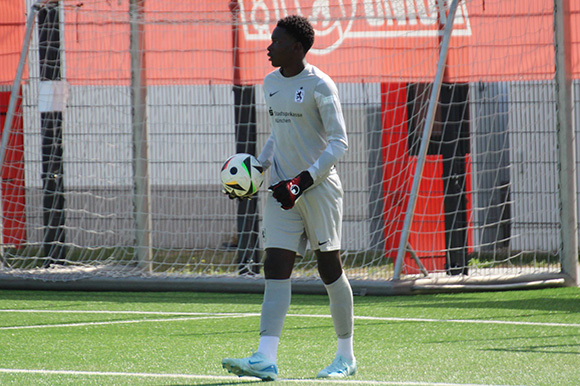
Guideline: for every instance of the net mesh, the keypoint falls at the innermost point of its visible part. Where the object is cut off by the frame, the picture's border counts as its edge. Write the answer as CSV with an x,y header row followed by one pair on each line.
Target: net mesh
x,y
488,199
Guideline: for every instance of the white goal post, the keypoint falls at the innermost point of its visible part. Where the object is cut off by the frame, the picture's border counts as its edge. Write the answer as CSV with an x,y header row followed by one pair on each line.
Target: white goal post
x,y
117,116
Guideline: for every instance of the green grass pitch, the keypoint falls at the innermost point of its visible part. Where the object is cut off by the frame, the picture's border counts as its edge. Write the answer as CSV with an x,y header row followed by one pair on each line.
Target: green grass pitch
x,y
529,338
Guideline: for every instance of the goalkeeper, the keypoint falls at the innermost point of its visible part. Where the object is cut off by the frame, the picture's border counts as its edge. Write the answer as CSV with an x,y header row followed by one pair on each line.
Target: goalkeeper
x,y
308,137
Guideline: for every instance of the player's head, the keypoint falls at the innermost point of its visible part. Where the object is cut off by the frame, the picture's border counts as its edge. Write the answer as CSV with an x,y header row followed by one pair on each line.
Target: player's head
x,y
291,40
299,28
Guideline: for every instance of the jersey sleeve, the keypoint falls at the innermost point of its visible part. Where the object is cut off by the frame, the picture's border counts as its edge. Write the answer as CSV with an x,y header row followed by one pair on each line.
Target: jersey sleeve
x,y
328,102
267,153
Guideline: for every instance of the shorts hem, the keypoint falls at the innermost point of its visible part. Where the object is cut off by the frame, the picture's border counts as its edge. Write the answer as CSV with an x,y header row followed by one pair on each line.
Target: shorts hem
x,y
293,249
328,249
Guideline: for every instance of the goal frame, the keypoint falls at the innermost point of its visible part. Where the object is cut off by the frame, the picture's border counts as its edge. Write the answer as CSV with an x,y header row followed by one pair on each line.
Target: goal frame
x,y
569,275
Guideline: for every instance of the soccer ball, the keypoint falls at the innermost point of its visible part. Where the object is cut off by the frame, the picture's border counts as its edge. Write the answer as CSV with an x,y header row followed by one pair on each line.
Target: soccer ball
x,y
242,175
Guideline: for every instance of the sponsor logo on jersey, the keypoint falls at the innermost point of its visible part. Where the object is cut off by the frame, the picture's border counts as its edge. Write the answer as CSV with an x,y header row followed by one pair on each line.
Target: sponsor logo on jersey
x,y
283,116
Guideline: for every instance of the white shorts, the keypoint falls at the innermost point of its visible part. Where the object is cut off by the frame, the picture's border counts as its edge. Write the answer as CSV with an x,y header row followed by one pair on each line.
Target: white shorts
x,y
316,217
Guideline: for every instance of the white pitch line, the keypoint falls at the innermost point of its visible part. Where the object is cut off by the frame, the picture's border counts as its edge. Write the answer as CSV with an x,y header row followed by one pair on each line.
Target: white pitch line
x,y
162,313
86,324
220,315
232,378
115,373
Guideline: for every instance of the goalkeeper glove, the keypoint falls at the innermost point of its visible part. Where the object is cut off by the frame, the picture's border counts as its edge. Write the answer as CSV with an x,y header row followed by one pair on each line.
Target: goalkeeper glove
x,y
287,192
232,196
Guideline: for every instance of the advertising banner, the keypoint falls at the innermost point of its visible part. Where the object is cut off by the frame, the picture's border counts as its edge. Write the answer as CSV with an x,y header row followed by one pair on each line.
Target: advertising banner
x,y
196,42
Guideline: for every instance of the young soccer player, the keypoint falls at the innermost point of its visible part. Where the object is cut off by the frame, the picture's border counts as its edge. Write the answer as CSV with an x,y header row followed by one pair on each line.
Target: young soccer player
x,y
308,137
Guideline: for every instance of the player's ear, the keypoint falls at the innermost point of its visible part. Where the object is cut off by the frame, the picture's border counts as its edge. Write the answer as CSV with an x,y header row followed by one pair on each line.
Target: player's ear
x,y
299,48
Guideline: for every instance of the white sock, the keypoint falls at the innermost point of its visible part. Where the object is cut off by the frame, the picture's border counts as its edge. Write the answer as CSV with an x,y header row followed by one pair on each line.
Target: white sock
x,y
344,348
269,346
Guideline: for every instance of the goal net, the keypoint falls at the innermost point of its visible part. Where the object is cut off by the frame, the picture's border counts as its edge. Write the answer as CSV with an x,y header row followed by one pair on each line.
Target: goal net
x,y
119,115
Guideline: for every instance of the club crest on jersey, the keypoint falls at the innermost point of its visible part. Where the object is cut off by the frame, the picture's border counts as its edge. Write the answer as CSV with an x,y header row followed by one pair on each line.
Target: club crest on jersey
x,y
299,96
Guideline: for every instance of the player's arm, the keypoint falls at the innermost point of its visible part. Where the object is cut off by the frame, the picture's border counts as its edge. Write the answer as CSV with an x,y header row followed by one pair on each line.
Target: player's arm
x,y
326,95
267,154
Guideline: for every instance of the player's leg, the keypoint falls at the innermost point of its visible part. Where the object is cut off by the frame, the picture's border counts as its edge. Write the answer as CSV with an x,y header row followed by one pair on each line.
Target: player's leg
x,y
342,312
322,210
282,237
277,296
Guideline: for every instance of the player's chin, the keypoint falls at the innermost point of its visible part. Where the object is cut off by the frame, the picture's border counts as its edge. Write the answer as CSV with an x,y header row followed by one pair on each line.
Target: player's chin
x,y
273,62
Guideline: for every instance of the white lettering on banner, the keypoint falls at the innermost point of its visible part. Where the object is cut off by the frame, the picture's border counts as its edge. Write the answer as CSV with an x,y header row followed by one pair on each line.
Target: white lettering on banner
x,y
338,20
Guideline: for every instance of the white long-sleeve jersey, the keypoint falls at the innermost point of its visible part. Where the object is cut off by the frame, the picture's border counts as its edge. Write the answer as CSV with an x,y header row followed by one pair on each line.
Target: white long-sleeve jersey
x,y
308,129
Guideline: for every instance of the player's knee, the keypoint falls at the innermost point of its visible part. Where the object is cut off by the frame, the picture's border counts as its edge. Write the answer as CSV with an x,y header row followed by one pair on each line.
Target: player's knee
x,y
279,264
329,266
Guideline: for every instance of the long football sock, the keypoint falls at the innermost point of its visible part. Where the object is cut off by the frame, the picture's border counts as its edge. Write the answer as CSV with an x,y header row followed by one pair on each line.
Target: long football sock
x,y
277,296
344,348
341,310
269,346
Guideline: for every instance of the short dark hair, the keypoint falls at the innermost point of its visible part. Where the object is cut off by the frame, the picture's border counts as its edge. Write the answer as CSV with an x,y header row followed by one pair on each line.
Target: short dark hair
x,y
299,28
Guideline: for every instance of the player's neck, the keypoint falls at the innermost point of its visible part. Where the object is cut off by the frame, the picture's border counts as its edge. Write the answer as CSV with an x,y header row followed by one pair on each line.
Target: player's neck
x,y
293,69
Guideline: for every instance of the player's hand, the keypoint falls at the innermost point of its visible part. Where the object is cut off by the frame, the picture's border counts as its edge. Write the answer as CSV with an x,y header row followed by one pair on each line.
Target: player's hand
x,y
287,192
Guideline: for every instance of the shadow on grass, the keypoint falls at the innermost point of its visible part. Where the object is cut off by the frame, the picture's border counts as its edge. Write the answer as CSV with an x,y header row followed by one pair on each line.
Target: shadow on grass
x,y
557,299
244,382
543,349
550,300
131,297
